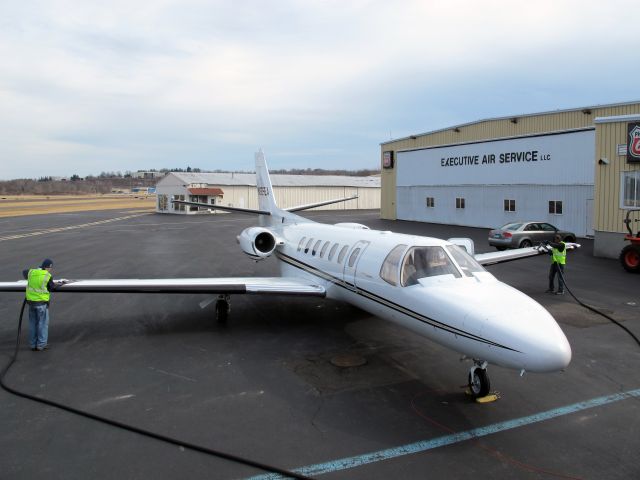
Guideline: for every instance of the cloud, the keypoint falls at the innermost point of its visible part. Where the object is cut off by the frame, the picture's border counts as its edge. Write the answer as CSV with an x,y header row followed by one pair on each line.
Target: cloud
x,y
111,85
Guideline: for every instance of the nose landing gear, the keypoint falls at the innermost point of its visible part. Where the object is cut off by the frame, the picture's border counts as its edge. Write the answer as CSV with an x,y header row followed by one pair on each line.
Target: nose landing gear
x,y
479,384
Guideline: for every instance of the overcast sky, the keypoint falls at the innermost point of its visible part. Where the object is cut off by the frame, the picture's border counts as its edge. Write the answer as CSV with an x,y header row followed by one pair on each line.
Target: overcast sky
x,y
87,87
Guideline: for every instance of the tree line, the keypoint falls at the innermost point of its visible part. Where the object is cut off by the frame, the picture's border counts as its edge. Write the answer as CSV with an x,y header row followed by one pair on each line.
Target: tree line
x,y
106,182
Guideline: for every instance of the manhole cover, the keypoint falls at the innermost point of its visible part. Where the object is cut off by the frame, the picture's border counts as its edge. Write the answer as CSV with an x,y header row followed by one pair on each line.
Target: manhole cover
x,y
346,360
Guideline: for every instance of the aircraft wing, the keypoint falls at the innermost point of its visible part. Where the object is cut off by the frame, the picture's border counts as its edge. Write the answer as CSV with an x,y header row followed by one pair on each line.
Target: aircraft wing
x,y
492,258
232,285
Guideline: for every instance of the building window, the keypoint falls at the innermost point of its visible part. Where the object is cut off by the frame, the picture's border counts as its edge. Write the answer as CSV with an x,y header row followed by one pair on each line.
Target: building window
x,y
178,206
509,205
630,189
459,202
431,202
555,207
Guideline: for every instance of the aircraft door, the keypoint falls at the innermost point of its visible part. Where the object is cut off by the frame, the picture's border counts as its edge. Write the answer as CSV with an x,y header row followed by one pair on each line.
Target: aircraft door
x,y
351,262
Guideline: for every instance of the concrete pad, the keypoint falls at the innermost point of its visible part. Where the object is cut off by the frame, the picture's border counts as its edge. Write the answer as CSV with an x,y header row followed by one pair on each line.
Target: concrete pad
x,y
264,386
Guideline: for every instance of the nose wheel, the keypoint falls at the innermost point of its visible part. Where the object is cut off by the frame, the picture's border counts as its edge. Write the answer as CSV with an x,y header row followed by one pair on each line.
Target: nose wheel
x,y
479,384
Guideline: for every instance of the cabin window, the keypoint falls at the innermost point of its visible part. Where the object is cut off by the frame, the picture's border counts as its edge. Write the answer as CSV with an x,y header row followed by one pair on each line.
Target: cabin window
x,y
301,243
315,247
324,249
353,257
332,252
391,264
421,262
342,253
466,262
308,245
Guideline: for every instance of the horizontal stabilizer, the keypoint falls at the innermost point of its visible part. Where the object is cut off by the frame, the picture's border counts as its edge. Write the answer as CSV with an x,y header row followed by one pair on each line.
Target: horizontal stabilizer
x,y
232,285
319,204
223,208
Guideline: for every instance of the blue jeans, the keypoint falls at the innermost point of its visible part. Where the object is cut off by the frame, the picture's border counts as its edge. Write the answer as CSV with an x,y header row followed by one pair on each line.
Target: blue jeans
x,y
38,326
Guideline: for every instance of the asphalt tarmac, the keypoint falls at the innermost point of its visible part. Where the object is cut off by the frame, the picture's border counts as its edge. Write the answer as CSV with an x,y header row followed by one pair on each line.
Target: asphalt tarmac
x,y
263,386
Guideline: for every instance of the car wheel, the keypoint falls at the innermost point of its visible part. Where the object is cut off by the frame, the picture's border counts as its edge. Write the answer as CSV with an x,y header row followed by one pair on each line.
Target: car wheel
x,y
525,243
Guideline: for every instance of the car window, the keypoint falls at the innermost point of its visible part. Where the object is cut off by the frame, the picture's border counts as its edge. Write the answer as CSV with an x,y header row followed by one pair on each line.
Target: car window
x,y
511,226
532,227
421,262
547,227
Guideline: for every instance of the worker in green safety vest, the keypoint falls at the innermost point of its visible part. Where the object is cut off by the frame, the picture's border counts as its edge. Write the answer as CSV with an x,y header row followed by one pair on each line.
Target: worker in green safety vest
x,y
39,285
558,261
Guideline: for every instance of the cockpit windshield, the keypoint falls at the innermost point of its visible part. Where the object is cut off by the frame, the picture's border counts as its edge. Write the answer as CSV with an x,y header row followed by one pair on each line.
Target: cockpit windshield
x,y
421,262
466,262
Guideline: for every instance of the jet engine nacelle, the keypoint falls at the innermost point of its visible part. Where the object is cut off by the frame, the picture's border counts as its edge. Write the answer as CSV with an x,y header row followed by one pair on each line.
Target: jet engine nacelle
x,y
258,242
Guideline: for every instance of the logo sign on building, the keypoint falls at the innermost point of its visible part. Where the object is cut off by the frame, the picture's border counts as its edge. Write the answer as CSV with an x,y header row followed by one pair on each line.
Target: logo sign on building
x,y
633,145
387,159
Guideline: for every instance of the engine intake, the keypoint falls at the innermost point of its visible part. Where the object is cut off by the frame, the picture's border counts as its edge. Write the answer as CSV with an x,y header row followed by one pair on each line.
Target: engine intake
x,y
258,242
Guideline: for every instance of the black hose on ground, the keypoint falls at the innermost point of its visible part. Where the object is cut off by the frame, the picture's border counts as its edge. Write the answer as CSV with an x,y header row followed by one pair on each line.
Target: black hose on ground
x,y
595,310
131,428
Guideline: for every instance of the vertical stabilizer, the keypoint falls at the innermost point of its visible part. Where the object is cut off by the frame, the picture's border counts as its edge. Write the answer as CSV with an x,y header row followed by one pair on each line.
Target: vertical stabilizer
x,y
266,200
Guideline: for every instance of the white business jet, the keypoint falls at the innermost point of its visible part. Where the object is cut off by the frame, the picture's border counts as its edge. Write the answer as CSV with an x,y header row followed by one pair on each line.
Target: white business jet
x,y
433,287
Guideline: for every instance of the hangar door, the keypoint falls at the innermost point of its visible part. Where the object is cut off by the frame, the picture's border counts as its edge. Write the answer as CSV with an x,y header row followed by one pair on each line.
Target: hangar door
x,y
546,177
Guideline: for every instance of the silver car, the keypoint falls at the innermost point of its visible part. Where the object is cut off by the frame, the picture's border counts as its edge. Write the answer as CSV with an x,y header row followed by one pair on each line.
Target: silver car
x,y
526,234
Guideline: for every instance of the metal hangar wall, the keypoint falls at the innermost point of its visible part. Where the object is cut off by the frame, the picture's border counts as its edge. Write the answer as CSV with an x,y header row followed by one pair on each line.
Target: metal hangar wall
x,y
544,166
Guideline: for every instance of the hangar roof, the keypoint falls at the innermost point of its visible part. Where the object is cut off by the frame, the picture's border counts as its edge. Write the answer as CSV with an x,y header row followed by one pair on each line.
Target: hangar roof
x,y
508,117
249,179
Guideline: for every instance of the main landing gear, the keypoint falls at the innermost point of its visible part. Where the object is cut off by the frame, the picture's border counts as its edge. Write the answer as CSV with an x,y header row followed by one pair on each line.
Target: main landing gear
x,y
479,384
223,307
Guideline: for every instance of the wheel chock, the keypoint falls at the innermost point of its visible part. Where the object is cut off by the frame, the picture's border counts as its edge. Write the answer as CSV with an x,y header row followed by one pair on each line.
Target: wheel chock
x,y
492,397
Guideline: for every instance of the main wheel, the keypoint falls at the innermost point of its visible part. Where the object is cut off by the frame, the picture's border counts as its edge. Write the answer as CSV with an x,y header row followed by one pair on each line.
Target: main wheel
x,y
479,383
525,243
222,311
630,258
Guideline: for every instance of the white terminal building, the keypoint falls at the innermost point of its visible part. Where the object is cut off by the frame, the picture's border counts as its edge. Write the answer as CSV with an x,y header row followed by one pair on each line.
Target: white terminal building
x,y
577,169
239,190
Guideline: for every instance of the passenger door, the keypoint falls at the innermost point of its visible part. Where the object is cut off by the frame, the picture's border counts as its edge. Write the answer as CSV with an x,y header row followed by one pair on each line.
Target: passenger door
x,y
351,262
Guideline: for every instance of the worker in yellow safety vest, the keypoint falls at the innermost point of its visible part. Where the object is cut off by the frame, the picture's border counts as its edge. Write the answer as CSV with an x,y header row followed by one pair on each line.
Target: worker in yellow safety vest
x,y
39,285
558,261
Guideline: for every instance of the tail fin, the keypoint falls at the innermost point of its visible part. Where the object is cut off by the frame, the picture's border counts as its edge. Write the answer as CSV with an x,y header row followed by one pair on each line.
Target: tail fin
x,y
266,200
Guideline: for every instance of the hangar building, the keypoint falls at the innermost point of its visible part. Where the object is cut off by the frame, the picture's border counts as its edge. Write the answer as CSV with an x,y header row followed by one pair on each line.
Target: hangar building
x,y
239,190
577,169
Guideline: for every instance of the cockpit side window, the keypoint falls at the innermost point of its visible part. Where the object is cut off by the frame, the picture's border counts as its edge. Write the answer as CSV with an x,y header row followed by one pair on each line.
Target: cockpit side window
x,y
421,262
391,264
466,262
